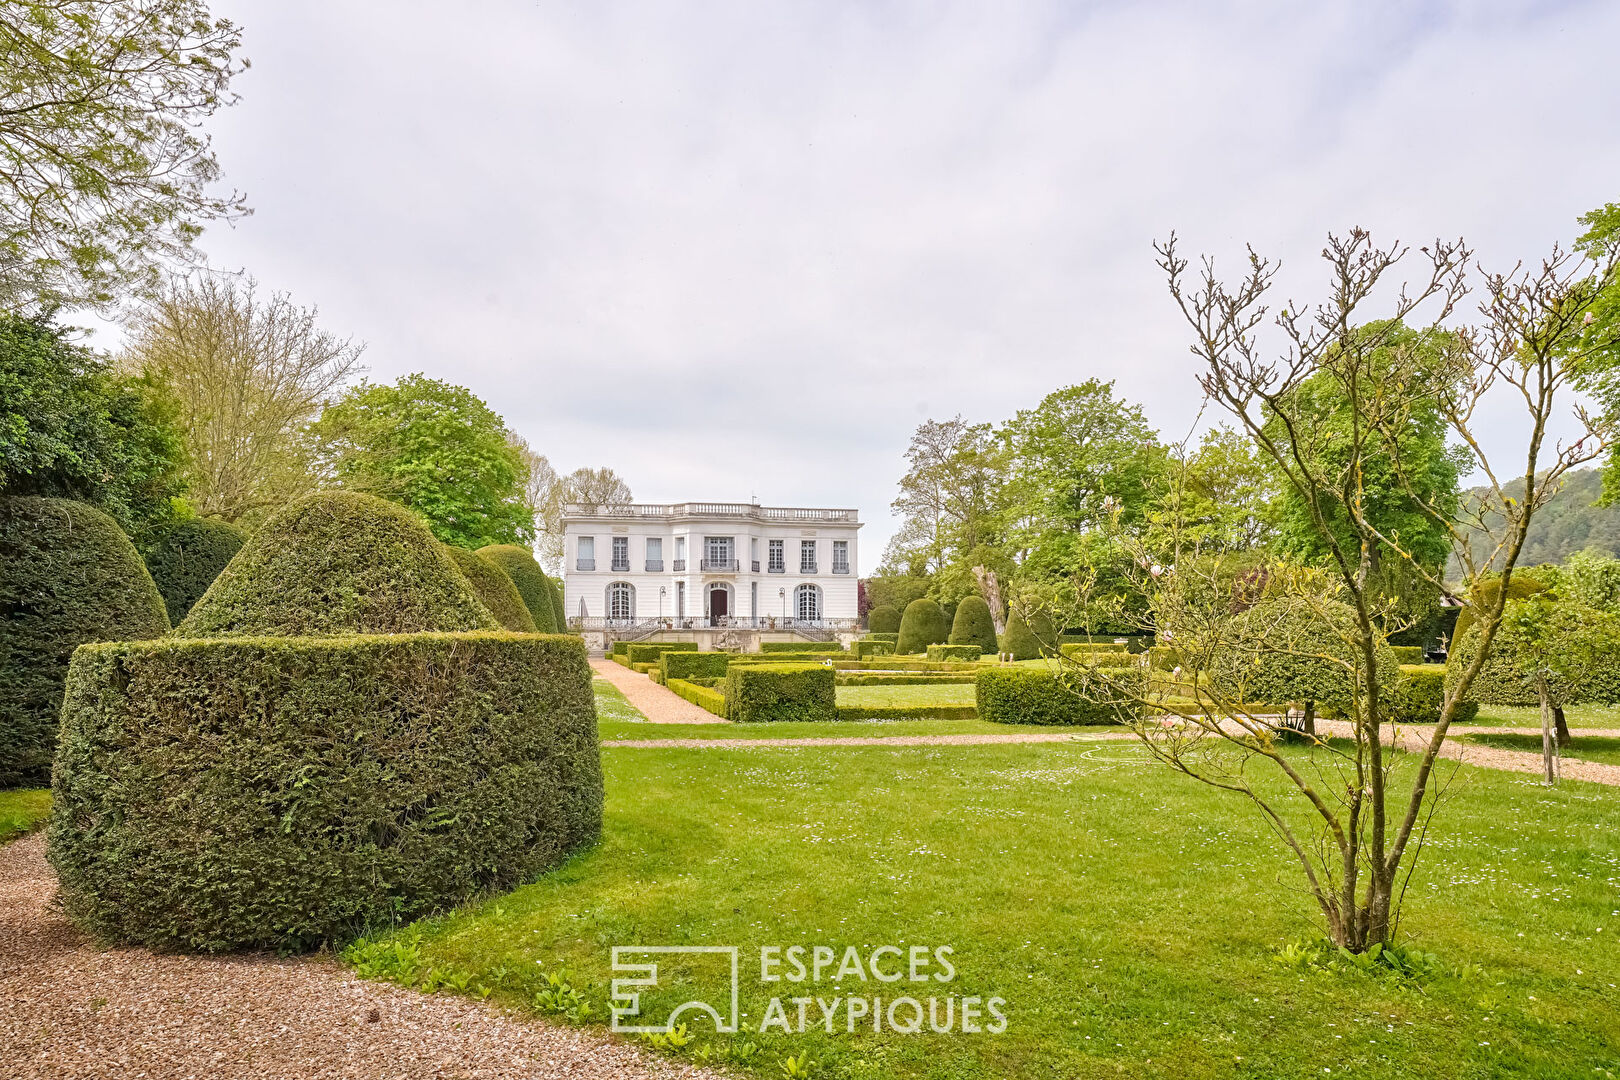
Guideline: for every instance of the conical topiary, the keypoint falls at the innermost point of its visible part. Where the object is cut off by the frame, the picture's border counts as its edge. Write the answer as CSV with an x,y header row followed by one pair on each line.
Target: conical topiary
x,y
559,612
188,557
883,619
1019,640
922,625
68,575
531,582
338,563
973,625
494,588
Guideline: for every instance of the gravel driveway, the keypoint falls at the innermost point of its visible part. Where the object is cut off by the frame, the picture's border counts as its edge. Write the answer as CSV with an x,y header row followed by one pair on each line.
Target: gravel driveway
x,y
68,1010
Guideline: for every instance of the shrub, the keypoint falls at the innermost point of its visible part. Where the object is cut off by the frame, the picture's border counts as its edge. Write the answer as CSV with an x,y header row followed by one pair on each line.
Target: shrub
x,y
954,652
701,696
1290,649
648,652
863,649
800,647
769,692
973,625
1486,592
1420,690
921,678
1582,647
531,581
188,557
621,648
494,588
68,575
279,792
892,639
1018,695
1019,640
338,563
1165,658
923,624
679,664
884,619
1407,654
1098,656
559,612
789,658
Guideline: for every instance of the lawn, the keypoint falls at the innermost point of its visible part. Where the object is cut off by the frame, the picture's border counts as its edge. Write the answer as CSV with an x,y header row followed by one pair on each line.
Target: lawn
x,y
612,707
22,810
620,731
1604,749
1129,917
916,694
1529,717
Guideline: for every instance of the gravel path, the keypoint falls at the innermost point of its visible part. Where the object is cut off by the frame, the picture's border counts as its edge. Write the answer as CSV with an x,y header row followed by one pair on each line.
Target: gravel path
x,y
659,704
1416,739
68,1010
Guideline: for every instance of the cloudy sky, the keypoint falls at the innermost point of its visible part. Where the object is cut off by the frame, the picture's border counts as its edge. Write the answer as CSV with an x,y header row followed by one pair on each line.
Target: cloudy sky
x,y
739,250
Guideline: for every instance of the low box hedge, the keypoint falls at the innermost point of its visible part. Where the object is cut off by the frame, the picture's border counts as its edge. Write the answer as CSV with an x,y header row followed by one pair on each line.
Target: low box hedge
x,y
275,793
702,696
864,649
800,646
619,658
621,648
758,693
644,668
892,639
1022,695
1408,654
902,663
917,678
1420,690
1098,656
788,658
907,712
648,652
684,665
954,652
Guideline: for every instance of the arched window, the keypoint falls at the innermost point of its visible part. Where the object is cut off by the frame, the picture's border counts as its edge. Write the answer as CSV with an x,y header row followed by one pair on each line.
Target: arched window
x,y
807,602
621,601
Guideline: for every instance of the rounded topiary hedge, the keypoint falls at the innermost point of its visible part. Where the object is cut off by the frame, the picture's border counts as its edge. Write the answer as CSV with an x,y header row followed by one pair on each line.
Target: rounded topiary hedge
x,y
495,589
1484,593
1019,641
1298,650
68,575
282,792
531,581
188,557
883,619
973,625
922,625
338,563
559,614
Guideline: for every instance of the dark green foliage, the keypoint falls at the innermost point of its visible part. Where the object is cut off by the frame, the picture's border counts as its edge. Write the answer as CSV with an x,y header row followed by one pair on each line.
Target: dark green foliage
x,y
338,563
922,625
682,664
620,648
72,428
1407,654
973,625
1020,641
883,619
494,588
1019,695
1485,593
648,652
559,613
891,638
954,652
864,649
703,697
68,575
769,692
531,582
1578,652
277,793
1420,691
186,559
1294,650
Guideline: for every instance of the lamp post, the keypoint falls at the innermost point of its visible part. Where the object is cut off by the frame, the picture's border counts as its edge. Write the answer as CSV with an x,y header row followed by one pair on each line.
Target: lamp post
x,y
783,594
660,601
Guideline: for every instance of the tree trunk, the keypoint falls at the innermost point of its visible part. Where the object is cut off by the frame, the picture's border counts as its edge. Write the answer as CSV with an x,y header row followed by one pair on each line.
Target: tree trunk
x,y
1549,744
1560,726
1308,722
990,590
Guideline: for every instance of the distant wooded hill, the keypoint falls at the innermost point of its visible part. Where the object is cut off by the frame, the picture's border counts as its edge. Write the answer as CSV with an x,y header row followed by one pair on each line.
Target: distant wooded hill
x,y
1570,523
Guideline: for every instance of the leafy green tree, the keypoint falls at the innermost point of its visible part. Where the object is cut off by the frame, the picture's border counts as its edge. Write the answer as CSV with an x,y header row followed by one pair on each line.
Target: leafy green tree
x,y
949,501
1222,501
435,448
71,427
1596,353
103,171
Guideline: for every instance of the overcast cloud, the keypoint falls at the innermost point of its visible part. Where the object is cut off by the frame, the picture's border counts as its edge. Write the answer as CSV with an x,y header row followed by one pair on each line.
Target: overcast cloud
x,y
737,250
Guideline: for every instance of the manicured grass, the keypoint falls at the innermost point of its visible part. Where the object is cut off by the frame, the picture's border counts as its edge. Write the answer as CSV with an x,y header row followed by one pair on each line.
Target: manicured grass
x,y
23,810
1578,716
910,694
1604,749
612,707
618,731
1128,915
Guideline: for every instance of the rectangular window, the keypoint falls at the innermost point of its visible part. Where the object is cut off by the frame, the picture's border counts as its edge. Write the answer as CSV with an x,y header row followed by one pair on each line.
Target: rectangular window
x,y
717,553
807,556
586,553
655,555
840,556
621,554
778,560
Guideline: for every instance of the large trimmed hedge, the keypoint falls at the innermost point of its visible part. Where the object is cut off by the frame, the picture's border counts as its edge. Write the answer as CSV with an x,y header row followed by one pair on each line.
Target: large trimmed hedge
x,y
187,558
864,648
338,563
495,589
883,619
973,625
969,651
1419,693
1019,641
679,664
648,652
1021,695
559,611
531,582
68,575
1297,650
923,624
759,693
281,792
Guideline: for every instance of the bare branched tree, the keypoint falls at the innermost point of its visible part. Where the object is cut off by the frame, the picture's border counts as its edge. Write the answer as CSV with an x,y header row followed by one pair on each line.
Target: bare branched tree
x,y
1351,809
250,372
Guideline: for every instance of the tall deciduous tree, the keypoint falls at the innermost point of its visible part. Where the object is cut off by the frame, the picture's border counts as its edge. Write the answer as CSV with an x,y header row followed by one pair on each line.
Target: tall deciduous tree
x,y
435,448
948,503
250,372
103,170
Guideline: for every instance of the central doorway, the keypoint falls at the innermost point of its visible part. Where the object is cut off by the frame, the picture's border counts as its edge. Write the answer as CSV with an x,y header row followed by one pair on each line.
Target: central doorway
x,y
719,604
